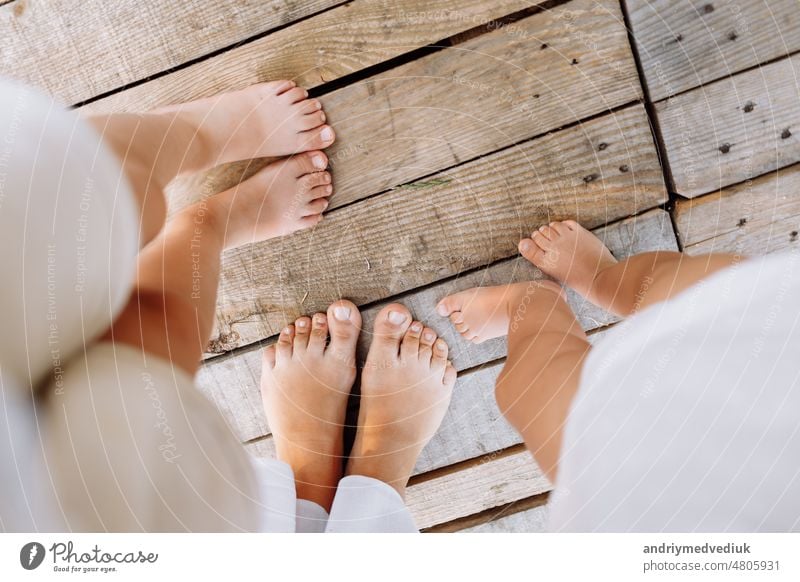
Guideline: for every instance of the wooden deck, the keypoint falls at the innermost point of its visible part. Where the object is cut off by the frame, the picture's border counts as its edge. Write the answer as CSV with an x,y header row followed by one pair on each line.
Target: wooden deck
x,y
661,124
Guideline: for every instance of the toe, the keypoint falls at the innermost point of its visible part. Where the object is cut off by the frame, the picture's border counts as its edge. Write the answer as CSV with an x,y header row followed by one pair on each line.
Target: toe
x,y
315,207
571,224
450,375
312,120
284,345
450,304
344,322
277,87
268,355
295,94
317,138
313,180
548,232
309,106
533,248
309,221
308,163
302,327
542,241
319,333
426,344
320,192
560,227
439,359
390,324
409,348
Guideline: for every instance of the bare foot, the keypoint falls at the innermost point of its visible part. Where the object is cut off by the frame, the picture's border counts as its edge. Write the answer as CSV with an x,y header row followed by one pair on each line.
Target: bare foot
x,y
266,120
305,385
405,391
484,313
570,253
285,196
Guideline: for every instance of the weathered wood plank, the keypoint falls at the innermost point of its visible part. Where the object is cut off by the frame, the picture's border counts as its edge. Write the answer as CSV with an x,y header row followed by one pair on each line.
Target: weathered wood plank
x,y
462,102
532,520
338,42
473,215
232,383
753,218
685,44
434,499
78,50
734,129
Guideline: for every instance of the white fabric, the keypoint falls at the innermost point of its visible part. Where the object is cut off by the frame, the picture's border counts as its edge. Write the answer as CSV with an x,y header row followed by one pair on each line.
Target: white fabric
x,y
361,505
688,414
69,223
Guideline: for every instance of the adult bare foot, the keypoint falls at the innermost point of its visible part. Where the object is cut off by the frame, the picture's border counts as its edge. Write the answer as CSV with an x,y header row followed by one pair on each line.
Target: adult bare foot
x,y
283,197
305,385
405,391
483,313
272,119
570,253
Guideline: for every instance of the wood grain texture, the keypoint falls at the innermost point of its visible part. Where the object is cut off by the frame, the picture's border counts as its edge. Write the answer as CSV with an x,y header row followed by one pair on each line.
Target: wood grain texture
x,y
601,171
734,129
78,50
434,499
232,382
753,218
487,93
689,43
318,50
532,520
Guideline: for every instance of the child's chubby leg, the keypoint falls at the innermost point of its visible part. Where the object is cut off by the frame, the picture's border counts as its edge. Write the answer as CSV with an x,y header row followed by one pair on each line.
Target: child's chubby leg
x,y
546,348
573,255
266,120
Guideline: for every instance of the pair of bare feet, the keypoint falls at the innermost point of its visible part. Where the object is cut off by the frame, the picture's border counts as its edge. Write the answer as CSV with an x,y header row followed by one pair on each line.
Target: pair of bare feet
x,y
275,119
307,376
563,250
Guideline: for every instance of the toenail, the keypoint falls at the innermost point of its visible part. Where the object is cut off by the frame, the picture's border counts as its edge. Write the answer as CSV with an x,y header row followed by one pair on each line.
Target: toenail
x,y
305,93
325,204
429,336
319,318
341,313
286,331
326,134
416,327
329,189
525,246
326,178
301,323
319,162
441,310
323,118
440,346
396,317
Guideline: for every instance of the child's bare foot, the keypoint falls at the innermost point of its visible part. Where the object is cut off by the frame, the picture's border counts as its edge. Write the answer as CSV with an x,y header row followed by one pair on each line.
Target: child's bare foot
x,y
570,253
483,313
266,120
285,196
305,385
405,391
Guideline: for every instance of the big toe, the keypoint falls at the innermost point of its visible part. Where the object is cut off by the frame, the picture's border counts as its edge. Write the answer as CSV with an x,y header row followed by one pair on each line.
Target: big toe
x,y
344,322
391,324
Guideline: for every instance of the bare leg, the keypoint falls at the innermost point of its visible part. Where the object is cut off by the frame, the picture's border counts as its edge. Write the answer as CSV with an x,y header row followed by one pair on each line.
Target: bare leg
x,y
573,255
405,390
171,312
305,383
